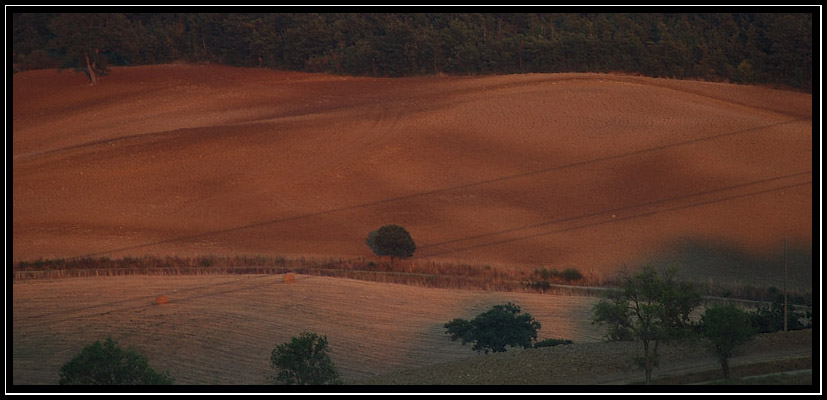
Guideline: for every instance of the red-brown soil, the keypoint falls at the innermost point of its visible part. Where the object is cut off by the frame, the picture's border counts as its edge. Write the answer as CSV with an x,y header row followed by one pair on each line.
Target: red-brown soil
x,y
586,171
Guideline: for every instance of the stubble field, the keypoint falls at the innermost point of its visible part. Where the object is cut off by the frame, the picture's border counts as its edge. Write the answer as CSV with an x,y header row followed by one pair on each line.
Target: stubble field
x,y
221,329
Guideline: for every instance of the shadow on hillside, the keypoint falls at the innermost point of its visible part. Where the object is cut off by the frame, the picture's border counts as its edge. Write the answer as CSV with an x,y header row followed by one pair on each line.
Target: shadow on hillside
x,y
721,263
582,221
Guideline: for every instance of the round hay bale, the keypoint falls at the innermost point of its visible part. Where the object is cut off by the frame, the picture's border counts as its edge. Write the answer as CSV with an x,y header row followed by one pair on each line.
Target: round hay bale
x,y
161,299
289,278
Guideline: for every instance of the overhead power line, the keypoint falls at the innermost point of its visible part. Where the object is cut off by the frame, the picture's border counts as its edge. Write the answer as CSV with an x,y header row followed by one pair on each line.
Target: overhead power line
x,y
452,188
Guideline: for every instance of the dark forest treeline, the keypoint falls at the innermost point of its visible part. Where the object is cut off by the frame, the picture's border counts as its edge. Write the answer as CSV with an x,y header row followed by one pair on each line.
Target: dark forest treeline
x,y
762,48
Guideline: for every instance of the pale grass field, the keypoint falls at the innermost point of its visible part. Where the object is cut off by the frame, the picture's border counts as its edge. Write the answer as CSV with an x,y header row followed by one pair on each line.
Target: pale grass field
x,y
220,330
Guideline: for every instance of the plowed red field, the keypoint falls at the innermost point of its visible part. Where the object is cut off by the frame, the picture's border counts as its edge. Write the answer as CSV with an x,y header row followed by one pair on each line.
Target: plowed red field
x,y
587,171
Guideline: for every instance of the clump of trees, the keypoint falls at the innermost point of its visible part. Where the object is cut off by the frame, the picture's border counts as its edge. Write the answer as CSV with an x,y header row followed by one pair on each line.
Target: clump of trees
x,y
304,360
772,48
651,307
106,363
770,318
495,329
391,240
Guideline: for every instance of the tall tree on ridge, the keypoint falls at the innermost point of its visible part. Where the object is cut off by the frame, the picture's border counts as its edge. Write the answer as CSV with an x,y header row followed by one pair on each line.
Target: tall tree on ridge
x,y
86,39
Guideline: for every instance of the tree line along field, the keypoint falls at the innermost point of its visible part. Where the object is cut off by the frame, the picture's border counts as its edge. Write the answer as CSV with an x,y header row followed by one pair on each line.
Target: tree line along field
x,y
761,48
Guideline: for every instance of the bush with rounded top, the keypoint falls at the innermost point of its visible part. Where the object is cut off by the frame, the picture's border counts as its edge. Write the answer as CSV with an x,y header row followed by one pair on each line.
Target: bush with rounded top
x,y
107,364
495,329
304,361
391,240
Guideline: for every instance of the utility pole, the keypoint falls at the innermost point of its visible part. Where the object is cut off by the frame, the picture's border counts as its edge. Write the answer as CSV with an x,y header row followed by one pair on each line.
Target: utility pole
x,y
785,284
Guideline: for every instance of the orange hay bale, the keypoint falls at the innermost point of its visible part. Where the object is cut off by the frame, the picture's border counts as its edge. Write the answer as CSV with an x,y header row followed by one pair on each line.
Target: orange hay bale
x,y
289,278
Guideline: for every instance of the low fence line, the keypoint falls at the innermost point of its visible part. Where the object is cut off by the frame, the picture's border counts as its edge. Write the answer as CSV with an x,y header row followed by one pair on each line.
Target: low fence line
x,y
422,279
398,277
95,272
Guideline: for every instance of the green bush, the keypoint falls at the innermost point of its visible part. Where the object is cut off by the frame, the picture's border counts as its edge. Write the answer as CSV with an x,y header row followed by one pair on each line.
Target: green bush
x,y
771,319
107,364
304,361
571,274
495,329
567,275
391,240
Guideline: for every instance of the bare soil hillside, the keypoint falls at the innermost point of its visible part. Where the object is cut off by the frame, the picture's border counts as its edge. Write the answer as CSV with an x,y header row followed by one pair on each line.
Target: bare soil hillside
x,y
586,171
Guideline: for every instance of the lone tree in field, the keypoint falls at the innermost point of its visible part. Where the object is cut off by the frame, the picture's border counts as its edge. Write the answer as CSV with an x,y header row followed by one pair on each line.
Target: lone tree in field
x,y
495,329
726,328
304,361
391,240
651,307
107,364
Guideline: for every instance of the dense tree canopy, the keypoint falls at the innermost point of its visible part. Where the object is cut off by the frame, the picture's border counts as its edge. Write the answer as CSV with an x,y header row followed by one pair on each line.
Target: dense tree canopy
x,y
500,327
391,240
107,364
84,41
304,360
773,48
